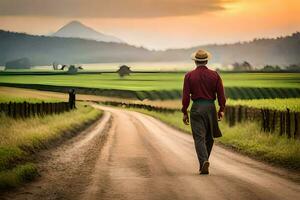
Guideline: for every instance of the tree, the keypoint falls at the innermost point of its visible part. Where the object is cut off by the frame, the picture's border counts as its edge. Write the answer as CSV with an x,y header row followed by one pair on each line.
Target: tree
x,y
124,70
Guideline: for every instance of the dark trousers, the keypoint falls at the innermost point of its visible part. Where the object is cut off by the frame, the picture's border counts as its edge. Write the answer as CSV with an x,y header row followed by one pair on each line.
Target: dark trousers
x,y
201,123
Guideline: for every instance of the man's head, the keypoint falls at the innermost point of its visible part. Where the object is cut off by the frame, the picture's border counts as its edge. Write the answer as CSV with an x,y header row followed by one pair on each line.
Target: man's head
x,y
201,57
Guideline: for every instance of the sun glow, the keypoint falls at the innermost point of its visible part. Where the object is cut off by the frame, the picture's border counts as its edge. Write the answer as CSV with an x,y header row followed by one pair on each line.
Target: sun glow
x,y
240,20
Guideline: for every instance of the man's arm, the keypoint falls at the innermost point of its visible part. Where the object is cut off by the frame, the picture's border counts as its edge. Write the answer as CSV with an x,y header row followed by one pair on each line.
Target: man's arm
x,y
185,99
221,97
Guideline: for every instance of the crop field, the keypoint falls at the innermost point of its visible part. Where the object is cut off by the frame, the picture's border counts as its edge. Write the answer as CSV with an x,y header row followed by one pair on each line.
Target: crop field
x,y
155,81
293,104
17,94
161,85
5,98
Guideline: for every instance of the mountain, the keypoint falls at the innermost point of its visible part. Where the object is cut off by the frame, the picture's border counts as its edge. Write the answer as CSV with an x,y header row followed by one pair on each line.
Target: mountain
x,y
44,50
75,29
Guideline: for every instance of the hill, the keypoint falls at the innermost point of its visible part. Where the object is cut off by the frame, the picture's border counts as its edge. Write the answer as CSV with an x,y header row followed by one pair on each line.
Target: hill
x,y
76,29
274,51
44,50
22,63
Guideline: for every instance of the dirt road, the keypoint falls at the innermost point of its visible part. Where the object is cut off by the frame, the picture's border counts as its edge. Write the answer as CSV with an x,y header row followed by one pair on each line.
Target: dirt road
x,y
143,158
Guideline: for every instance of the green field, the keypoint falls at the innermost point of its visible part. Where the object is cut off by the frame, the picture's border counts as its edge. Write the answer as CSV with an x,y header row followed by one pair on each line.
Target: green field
x,y
161,85
155,81
293,104
8,98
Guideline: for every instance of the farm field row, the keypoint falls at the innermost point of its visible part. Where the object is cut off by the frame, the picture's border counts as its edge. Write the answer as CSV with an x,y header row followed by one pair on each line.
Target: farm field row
x,y
154,81
293,104
16,94
159,85
4,98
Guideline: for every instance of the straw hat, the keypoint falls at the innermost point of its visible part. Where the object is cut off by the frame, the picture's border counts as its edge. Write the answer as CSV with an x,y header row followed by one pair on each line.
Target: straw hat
x,y
201,56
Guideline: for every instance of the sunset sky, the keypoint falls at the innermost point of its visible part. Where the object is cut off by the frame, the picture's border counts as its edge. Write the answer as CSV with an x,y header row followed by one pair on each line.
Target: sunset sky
x,y
158,24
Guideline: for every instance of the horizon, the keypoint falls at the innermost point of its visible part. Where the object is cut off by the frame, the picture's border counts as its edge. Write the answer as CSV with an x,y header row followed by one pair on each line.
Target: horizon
x,y
157,25
208,44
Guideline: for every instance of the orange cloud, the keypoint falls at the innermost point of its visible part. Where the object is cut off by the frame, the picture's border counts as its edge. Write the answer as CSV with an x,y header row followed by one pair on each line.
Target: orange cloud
x,y
109,8
237,21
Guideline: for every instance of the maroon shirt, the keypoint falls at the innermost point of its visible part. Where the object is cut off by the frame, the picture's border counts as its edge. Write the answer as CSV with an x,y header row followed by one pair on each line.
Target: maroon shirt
x,y
202,83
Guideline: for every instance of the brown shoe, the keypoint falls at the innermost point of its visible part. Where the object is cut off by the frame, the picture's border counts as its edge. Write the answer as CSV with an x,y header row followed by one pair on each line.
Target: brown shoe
x,y
204,168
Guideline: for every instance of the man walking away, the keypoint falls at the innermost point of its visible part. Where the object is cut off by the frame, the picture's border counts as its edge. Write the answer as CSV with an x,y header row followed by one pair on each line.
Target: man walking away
x,y
202,85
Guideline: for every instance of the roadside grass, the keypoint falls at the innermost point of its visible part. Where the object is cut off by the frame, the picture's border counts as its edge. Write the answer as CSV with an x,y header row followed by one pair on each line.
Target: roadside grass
x,y
246,138
16,176
20,138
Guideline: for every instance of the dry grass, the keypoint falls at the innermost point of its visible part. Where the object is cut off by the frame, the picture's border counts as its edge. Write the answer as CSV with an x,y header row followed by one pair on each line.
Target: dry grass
x,y
38,130
20,137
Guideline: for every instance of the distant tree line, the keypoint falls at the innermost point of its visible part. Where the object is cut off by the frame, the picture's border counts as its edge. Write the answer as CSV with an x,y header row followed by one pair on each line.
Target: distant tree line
x,y
44,50
246,66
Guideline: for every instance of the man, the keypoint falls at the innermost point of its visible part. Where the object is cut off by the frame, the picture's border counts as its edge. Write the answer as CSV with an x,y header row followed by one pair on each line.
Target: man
x,y
202,85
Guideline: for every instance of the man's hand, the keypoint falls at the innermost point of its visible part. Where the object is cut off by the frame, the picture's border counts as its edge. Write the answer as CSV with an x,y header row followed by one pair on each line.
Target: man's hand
x,y
220,115
186,119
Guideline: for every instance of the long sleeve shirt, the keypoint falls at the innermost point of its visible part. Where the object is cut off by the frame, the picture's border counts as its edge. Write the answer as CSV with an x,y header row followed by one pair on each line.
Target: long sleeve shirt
x,y
202,83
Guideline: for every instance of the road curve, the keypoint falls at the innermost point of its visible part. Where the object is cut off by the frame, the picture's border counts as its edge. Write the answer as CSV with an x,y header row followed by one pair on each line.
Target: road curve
x,y
143,158
146,159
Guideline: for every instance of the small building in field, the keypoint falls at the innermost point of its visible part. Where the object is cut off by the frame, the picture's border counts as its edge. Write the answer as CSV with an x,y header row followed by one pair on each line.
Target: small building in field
x,y
124,70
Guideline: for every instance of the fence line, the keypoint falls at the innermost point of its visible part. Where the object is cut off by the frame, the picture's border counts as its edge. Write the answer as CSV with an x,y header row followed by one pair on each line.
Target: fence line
x,y
272,121
136,105
26,109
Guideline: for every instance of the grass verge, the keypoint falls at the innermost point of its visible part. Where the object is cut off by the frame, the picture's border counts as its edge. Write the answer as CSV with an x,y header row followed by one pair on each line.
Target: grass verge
x,y
20,138
246,138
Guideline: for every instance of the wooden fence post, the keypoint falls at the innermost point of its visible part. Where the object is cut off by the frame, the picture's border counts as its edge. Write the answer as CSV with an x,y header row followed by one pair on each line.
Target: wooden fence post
x,y
231,116
268,118
43,109
48,108
33,110
25,109
246,113
288,124
273,123
227,114
297,132
263,120
9,112
281,124
14,110
239,115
